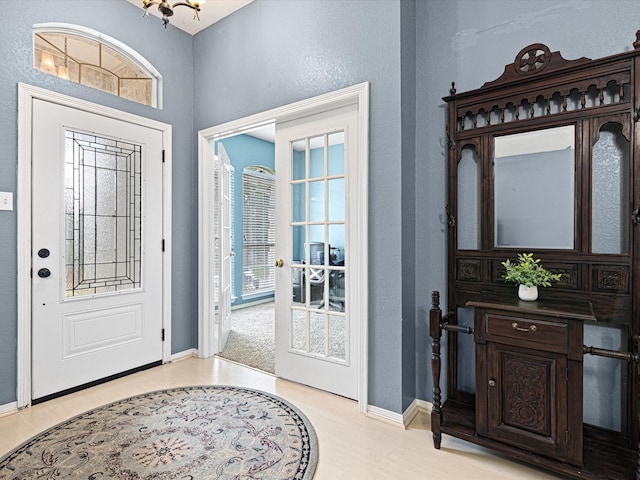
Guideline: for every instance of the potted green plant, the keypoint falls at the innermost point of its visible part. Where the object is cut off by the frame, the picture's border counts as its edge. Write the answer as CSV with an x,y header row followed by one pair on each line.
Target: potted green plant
x,y
529,274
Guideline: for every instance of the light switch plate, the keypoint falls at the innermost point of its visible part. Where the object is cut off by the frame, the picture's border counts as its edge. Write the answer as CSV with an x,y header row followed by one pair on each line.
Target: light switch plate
x,y
6,200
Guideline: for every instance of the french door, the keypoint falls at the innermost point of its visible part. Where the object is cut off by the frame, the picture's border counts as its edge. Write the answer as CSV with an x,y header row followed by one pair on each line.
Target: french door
x,y
222,245
96,247
316,331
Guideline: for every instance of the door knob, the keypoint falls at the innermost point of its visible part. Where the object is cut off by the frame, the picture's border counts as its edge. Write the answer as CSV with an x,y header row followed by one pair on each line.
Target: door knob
x,y
44,273
279,263
492,382
43,253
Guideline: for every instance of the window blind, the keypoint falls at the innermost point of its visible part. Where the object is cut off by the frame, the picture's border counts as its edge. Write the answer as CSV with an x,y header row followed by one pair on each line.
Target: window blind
x,y
258,231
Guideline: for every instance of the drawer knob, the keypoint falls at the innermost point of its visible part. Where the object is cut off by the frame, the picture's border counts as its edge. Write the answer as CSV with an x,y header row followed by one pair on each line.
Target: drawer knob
x,y
531,328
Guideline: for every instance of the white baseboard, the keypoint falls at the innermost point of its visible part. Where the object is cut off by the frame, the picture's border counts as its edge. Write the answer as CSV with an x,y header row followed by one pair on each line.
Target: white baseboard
x,y
409,414
385,415
192,352
416,407
8,408
424,406
253,303
401,420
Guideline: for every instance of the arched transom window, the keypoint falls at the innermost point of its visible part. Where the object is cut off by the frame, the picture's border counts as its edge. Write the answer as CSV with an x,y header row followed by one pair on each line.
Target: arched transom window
x,y
84,56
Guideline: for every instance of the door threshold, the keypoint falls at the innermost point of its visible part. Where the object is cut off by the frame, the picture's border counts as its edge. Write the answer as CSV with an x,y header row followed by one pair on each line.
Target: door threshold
x,y
100,381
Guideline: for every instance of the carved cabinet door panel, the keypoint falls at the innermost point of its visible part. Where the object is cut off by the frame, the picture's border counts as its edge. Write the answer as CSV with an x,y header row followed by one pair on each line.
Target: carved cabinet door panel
x,y
527,399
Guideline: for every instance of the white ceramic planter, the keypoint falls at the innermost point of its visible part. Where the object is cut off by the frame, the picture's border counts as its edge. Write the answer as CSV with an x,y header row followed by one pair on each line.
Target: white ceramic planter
x,y
530,294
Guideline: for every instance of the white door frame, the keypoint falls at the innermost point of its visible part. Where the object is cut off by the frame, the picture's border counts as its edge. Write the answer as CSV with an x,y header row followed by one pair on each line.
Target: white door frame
x,y
26,95
356,94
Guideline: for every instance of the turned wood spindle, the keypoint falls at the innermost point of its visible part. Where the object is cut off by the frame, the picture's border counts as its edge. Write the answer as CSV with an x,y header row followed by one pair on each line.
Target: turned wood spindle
x,y
435,331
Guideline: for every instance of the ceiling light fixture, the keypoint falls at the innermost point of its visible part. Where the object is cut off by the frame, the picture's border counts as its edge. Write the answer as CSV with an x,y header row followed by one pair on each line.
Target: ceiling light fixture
x,y
47,63
167,10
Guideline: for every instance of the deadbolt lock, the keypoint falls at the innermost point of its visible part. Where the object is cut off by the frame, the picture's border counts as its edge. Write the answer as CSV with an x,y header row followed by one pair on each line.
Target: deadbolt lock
x,y
44,273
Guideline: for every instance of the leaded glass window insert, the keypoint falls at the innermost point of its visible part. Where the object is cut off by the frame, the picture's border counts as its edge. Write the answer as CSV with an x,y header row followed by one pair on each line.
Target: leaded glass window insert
x,y
85,56
103,213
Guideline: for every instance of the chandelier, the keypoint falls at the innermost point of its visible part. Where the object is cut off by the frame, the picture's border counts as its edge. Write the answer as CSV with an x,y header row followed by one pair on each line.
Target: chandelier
x,y
167,10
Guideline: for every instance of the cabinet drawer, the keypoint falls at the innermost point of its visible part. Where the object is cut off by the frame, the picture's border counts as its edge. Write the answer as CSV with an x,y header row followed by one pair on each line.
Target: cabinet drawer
x,y
551,334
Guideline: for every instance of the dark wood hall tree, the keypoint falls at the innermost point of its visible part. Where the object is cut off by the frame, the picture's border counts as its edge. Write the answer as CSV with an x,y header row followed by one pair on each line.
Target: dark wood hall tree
x,y
543,159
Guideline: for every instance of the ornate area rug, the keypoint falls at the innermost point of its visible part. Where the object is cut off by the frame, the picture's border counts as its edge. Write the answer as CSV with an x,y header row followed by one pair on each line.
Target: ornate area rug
x,y
188,433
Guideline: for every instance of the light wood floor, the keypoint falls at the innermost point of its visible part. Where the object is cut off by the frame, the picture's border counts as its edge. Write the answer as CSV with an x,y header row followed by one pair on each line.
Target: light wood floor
x,y
351,446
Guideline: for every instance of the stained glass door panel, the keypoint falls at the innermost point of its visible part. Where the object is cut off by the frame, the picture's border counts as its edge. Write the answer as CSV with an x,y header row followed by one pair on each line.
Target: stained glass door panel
x,y
103,212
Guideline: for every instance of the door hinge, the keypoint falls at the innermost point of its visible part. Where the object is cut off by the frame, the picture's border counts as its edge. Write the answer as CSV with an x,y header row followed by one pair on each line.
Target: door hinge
x,y
635,216
163,244
162,156
566,373
163,334
567,436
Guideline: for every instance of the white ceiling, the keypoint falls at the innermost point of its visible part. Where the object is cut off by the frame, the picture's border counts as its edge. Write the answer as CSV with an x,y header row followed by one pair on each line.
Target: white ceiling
x,y
210,13
266,133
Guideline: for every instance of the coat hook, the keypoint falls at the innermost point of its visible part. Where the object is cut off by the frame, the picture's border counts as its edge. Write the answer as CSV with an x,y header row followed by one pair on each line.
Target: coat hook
x,y
450,143
451,221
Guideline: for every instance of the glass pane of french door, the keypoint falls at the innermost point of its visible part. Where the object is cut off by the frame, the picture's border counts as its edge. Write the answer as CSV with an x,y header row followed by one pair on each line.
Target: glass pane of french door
x,y
317,237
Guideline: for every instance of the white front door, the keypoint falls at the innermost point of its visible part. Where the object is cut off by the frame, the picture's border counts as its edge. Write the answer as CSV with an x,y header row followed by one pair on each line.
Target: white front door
x,y
317,321
223,248
96,247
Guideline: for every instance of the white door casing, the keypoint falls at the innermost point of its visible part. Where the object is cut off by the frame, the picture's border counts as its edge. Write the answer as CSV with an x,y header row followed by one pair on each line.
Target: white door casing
x,y
223,245
355,95
317,340
68,344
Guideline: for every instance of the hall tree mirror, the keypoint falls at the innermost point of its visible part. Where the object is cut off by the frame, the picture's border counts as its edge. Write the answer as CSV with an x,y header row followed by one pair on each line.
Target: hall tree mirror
x,y
533,180
542,160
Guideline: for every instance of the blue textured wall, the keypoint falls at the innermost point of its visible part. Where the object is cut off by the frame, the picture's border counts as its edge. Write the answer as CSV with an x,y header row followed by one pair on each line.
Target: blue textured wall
x,y
272,53
171,52
410,367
